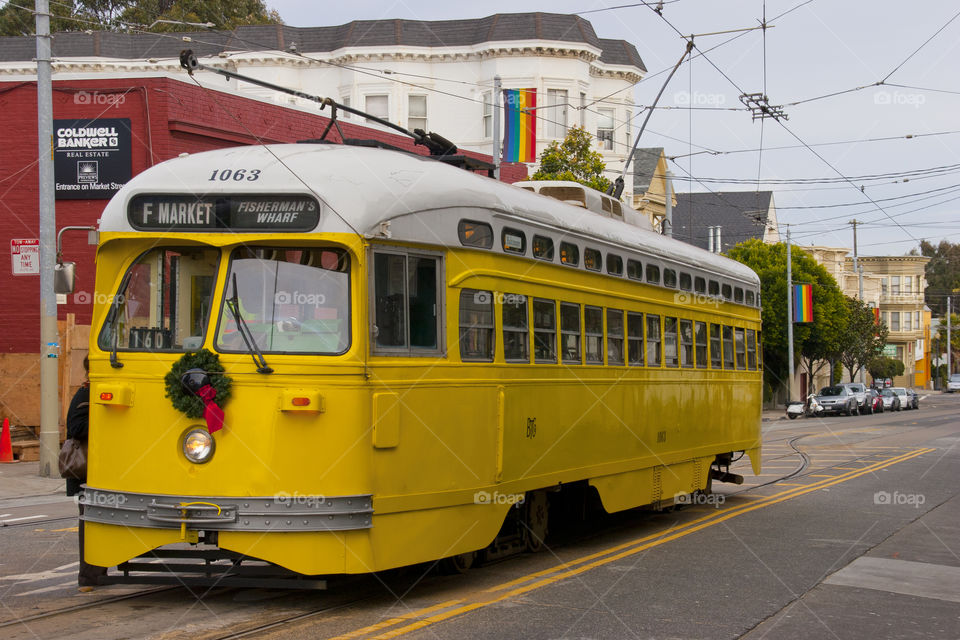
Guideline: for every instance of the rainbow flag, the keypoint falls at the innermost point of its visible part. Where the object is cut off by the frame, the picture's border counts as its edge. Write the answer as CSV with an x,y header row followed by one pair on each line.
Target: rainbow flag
x,y
803,303
520,127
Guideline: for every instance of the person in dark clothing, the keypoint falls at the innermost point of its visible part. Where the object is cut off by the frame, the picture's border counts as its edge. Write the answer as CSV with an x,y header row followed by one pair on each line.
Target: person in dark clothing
x,y
78,427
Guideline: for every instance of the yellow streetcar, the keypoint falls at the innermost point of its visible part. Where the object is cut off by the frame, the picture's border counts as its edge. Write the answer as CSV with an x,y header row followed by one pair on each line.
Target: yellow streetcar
x,y
418,357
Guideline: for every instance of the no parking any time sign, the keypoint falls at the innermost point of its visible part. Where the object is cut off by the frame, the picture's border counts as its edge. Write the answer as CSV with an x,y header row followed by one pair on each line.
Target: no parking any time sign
x,y
25,255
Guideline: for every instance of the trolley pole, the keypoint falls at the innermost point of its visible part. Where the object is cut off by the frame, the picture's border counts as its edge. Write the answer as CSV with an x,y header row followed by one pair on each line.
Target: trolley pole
x,y
49,407
497,87
789,320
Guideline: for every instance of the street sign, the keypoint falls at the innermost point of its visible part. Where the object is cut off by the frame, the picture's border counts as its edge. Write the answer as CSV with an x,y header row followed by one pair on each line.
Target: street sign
x,y
25,255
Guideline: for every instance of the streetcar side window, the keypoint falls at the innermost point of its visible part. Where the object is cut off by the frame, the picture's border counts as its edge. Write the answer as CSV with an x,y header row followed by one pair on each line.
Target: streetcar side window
x,y
569,254
670,342
516,337
714,288
727,292
406,313
614,265
740,349
699,285
653,274
544,331
716,350
570,332
700,334
593,334
751,298
635,339
686,343
634,270
592,259
513,241
686,282
653,341
543,248
475,234
614,336
727,347
751,349
738,295
476,325
669,278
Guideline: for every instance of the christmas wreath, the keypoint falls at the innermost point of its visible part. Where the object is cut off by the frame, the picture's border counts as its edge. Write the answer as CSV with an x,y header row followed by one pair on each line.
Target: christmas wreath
x,y
197,386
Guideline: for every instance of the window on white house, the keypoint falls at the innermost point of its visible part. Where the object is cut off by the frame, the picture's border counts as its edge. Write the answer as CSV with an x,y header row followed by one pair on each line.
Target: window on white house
x,y
907,324
894,321
417,112
488,114
895,285
907,285
605,128
583,110
556,113
345,101
377,105
626,128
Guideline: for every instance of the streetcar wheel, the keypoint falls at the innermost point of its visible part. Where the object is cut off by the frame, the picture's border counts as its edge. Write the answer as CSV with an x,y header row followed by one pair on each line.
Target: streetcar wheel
x,y
458,564
536,508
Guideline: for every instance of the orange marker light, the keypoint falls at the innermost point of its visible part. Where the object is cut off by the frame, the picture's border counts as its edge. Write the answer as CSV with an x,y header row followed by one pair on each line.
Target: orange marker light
x,y
300,402
106,395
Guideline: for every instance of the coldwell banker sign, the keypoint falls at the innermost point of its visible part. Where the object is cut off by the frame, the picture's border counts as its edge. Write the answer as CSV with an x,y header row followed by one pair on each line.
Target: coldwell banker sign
x,y
91,157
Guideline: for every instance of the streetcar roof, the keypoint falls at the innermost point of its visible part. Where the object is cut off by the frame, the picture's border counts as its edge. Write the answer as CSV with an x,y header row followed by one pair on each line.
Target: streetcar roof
x,y
381,193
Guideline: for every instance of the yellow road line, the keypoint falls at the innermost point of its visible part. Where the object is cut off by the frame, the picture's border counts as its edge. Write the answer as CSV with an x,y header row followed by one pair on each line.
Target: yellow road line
x,y
595,560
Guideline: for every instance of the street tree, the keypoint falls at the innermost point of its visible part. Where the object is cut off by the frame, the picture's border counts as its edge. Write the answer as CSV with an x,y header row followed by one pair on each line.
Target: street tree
x,y
124,15
882,367
942,274
815,343
941,340
574,159
864,338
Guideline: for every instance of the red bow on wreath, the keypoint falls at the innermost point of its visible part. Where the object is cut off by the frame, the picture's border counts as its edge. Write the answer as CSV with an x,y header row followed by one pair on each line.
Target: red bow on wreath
x,y
198,382
212,412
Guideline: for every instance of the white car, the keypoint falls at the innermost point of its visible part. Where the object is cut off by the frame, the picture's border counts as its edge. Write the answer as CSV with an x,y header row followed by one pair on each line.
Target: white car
x,y
954,383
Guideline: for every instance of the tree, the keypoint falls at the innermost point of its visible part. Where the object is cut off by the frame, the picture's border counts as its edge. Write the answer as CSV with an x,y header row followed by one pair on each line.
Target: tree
x,y
942,273
573,159
882,367
121,15
814,343
941,339
863,339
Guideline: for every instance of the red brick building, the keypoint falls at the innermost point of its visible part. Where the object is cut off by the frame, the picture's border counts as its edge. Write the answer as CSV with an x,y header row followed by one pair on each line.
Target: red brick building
x,y
167,117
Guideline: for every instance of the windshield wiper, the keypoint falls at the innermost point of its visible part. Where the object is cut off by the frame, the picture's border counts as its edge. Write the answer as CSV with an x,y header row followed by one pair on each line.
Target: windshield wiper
x,y
112,319
233,303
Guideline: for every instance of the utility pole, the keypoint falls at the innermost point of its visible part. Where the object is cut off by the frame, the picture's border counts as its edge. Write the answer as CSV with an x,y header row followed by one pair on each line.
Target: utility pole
x,y
789,319
949,343
496,126
49,407
859,271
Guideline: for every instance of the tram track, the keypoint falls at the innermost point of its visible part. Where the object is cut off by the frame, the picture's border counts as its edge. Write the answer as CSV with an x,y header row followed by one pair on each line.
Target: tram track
x,y
85,606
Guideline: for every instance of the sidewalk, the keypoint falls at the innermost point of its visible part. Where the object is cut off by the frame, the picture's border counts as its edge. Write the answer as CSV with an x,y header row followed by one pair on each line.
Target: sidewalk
x,y
20,480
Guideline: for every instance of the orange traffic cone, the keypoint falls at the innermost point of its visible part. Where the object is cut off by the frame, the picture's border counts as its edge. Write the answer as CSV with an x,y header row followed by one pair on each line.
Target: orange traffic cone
x,y
6,448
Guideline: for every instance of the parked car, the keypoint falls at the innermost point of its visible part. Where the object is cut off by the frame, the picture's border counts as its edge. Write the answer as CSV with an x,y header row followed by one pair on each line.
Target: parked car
x,y
838,399
953,384
891,401
913,399
904,398
860,391
876,400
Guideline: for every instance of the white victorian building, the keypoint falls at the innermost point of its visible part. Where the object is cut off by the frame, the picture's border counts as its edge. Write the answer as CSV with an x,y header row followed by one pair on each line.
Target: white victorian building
x,y
437,76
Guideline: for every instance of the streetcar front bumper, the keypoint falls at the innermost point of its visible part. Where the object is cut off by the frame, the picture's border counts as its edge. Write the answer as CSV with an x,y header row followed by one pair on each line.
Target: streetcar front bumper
x,y
282,512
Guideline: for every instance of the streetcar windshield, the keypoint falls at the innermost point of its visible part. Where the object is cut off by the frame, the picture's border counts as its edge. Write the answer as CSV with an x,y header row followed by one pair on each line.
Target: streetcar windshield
x,y
163,303
290,300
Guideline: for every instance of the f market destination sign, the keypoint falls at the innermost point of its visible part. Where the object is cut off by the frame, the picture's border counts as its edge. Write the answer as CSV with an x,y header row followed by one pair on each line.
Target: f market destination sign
x,y
91,157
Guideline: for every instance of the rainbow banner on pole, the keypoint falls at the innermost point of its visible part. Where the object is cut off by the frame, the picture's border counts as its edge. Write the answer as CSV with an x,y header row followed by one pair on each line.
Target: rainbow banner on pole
x,y
520,127
803,303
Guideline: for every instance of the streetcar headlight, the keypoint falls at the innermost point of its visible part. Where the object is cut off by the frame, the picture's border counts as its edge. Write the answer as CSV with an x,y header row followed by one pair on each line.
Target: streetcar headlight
x,y
198,445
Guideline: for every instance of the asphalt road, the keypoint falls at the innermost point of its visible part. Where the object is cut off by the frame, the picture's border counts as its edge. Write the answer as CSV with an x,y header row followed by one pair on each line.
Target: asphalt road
x,y
861,541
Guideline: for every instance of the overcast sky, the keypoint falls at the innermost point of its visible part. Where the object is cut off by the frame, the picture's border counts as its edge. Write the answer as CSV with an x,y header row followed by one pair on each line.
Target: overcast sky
x,y
821,47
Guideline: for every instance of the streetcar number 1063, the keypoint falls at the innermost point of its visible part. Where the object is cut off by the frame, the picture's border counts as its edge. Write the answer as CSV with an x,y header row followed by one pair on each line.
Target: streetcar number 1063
x,y
224,175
